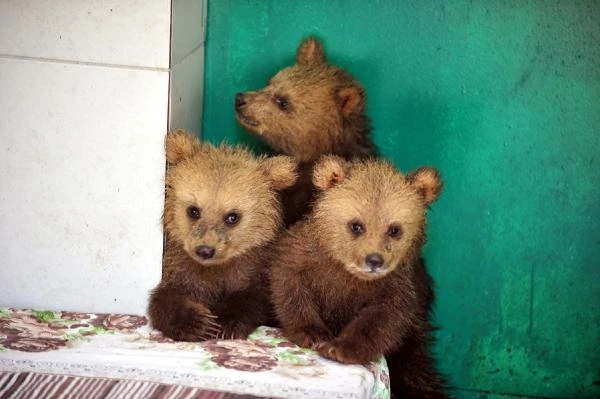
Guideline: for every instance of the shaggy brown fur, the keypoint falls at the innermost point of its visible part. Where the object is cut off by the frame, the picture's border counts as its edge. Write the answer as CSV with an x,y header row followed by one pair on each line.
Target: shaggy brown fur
x,y
221,214
353,285
307,110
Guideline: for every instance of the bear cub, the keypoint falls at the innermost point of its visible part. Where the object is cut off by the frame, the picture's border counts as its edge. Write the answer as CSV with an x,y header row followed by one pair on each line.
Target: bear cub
x,y
353,285
221,214
309,109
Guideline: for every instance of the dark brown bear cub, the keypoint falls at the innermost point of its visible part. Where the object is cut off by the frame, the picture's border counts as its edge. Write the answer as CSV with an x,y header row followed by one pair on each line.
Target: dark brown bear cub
x,y
307,110
221,214
353,285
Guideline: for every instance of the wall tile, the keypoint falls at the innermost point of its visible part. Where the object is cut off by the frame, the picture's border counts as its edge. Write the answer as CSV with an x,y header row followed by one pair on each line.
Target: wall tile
x,y
187,80
82,169
188,27
121,32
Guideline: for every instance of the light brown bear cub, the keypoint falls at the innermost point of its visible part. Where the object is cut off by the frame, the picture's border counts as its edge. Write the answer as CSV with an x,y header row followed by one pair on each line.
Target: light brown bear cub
x,y
221,214
353,285
307,110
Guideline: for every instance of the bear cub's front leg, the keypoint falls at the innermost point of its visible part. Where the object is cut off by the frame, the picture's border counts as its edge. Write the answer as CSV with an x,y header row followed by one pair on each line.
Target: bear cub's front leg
x,y
222,213
182,318
371,333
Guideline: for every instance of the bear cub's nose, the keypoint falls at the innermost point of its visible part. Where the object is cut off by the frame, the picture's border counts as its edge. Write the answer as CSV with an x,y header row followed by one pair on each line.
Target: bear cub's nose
x,y
240,101
205,252
374,261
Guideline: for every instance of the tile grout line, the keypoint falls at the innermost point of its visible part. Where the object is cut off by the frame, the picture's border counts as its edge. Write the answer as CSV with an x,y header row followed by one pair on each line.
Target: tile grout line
x,y
188,55
85,63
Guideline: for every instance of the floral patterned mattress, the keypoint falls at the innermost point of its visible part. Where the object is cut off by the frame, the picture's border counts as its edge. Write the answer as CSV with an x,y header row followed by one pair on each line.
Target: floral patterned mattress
x,y
68,355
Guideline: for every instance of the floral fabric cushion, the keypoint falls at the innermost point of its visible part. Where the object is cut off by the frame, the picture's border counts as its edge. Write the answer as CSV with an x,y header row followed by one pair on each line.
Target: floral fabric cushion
x,y
126,348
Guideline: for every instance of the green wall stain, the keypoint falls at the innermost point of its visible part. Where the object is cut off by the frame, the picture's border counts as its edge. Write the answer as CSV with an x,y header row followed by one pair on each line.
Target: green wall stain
x,y
504,98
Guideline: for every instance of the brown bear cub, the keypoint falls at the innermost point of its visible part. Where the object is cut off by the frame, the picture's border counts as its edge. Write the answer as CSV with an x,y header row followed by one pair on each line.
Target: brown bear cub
x,y
353,286
307,110
221,213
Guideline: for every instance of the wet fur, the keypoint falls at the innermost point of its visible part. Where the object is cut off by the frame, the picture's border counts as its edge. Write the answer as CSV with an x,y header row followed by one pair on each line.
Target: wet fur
x,y
326,298
227,294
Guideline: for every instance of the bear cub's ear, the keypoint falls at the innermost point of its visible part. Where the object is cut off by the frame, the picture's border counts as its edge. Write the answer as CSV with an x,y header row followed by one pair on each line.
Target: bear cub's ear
x,y
428,183
280,170
351,100
329,171
310,52
180,144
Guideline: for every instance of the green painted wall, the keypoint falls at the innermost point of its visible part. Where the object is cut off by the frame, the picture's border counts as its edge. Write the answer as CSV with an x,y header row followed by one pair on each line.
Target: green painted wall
x,y
504,98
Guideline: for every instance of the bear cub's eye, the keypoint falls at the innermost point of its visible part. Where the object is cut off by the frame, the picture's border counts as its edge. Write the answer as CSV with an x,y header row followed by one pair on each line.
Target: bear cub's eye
x,y
194,212
282,103
232,218
356,227
394,231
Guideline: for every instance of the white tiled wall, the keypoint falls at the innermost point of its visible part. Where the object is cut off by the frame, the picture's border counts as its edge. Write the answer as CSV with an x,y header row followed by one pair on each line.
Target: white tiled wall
x,y
84,105
188,33
112,32
187,60
186,92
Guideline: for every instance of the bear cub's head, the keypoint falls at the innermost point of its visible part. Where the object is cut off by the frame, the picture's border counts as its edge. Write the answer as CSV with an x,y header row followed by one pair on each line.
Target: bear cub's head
x,y
221,202
308,109
371,217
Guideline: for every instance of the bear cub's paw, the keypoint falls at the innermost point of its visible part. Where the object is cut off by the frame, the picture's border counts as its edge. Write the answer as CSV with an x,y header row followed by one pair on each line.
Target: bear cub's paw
x,y
194,322
310,337
236,330
342,352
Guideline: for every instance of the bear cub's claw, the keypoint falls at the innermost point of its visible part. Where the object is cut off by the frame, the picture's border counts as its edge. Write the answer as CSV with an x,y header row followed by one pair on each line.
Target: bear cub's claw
x,y
195,323
310,337
340,353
